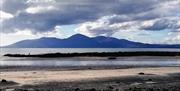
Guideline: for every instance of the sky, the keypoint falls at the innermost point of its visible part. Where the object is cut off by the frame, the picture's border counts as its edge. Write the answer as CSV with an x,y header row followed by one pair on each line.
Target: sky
x,y
146,21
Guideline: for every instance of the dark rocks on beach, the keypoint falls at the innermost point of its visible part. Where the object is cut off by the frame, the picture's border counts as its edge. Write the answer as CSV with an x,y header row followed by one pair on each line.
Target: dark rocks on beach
x,y
149,79
34,72
3,81
92,89
77,89
111,58
19,89
165,89
141,73
110,87
150,89
159,88
90,68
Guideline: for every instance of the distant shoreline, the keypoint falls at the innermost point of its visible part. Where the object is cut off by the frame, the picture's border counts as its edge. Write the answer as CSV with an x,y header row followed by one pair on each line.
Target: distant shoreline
x,y
112,55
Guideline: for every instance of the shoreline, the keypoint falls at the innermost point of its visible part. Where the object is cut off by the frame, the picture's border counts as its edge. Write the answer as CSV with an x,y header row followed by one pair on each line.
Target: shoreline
x,y
73,68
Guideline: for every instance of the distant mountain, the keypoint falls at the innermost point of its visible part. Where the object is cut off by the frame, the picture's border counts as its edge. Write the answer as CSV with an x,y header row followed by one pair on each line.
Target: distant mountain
x,y
81,41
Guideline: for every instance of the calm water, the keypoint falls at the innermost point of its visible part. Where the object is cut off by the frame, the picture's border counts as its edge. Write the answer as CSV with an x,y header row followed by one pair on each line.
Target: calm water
x,y
79,61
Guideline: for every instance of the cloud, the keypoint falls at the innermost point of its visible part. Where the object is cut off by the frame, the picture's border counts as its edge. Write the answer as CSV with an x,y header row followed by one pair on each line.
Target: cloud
x,y
109,25
173,37
95,17
147,31
39,9
40,1
43,17
5,16
13,6
162,24
106,25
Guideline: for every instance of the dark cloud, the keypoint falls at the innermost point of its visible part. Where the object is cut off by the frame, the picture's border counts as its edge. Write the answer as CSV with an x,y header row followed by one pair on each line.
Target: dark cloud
x,y
66,12
13,6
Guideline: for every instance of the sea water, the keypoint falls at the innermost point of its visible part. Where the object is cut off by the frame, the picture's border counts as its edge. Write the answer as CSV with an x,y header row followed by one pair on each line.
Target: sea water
x,y
86,61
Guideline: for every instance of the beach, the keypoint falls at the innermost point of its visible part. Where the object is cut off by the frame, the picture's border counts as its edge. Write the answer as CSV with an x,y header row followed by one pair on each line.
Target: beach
x,y
113,79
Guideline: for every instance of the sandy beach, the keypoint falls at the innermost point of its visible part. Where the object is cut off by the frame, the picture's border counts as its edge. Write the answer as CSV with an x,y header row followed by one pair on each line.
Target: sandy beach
x,y
77,80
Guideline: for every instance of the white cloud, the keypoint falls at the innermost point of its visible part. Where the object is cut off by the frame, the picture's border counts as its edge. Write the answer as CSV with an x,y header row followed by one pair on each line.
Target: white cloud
x,y
168,8
39,9
6,39
40,1
164,23
5,15
133,30
173,38
108,25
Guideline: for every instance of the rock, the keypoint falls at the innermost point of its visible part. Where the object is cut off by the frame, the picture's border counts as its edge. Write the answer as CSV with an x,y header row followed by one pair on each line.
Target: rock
x,y
149,79
111,58
110,87
164,89
150,89
141,73
93,89
34,72
3,81
37,90
77,89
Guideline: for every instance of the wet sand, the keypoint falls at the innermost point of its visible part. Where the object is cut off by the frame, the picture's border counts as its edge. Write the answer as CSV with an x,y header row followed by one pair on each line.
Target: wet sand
x,y
127,79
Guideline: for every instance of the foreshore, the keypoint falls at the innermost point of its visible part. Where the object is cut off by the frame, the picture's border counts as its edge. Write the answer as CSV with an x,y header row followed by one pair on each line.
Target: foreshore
x,y
114,79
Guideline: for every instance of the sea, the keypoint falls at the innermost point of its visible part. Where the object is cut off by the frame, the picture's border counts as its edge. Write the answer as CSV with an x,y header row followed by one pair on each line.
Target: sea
x,y
86,61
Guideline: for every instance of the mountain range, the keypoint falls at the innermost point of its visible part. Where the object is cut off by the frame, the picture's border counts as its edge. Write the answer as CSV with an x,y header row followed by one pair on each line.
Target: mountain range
x,y
81,41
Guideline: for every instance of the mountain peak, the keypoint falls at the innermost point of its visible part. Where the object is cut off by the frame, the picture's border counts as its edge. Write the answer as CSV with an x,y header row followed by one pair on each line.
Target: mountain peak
x,y
78,36
48,38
